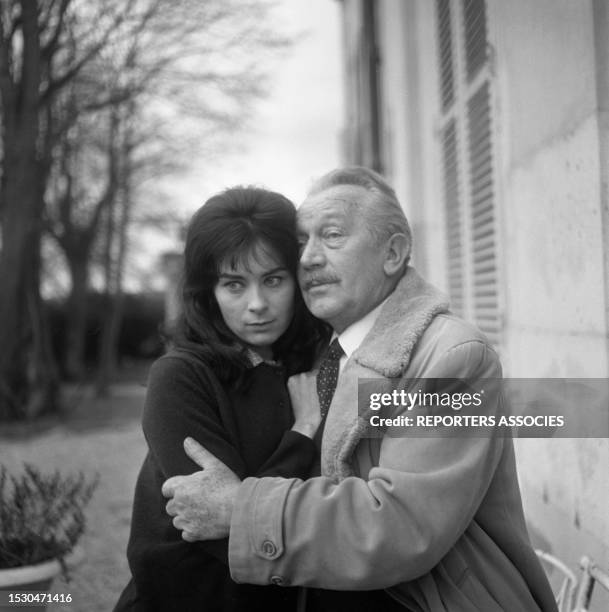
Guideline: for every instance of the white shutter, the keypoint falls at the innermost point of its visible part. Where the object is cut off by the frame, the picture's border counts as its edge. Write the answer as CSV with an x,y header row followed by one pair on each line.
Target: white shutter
x,y
475,36
468,165
447,88
454,233
485,302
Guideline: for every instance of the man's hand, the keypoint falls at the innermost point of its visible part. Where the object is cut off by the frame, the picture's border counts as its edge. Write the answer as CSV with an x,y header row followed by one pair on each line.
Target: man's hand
x,y
202,503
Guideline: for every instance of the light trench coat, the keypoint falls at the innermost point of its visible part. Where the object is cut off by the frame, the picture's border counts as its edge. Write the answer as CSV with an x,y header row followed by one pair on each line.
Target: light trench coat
x,y
437,521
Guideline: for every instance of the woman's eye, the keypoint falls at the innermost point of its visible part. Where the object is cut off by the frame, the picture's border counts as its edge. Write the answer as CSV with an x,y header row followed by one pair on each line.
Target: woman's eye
x,y
273,281
233,286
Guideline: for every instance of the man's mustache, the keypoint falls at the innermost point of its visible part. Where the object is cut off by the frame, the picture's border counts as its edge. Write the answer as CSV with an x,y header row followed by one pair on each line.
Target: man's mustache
x,y
309,281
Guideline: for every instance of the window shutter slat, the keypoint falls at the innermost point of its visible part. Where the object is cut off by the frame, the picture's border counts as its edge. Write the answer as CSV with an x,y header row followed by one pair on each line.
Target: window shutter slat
x,y
474,12
453,218
484,268
447,86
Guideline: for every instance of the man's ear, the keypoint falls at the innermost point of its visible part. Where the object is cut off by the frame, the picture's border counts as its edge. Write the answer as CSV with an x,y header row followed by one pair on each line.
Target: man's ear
x,y
397,251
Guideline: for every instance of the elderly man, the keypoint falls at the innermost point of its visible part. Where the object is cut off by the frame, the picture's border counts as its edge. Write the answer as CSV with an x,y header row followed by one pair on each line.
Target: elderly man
x,y
393,522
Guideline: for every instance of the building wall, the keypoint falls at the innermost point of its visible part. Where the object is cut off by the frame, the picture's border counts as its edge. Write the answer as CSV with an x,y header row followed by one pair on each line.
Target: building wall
x,y
405,126
549,147
409,104
553,249
361,135
550,114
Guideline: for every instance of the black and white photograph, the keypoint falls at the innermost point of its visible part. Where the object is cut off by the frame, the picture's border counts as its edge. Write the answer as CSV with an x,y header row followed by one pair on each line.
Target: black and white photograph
x,y
304,305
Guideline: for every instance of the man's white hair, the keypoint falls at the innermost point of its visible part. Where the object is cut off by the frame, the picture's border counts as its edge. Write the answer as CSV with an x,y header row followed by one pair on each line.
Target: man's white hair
x,y
383,209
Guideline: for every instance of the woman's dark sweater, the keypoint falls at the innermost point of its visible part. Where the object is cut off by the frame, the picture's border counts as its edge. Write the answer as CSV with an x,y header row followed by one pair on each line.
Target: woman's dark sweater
x,y
248,430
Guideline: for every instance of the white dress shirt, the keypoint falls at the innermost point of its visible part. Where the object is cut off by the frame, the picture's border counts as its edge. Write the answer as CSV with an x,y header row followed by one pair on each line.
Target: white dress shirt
x,y
354,335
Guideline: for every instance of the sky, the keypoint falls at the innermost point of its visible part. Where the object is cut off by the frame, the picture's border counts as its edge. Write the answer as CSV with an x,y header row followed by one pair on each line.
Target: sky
x,y
297,129
294,135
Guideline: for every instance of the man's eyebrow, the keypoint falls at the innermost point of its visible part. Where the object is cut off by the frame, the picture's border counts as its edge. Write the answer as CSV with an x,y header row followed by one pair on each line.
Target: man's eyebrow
x,y
333,218
331,215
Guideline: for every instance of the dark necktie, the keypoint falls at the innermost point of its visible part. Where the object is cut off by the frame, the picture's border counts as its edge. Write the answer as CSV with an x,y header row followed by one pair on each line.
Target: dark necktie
x,y
327,377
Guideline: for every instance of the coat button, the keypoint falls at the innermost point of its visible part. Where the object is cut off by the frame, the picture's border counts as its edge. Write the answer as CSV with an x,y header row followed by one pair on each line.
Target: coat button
x,y
277,580
268,548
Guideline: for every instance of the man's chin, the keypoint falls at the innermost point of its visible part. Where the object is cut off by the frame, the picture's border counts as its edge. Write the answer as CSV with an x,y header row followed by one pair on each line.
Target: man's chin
x,y
322,308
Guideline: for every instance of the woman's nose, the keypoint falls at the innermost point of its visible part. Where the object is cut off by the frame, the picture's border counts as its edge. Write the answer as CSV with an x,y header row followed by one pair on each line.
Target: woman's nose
x,y
256,300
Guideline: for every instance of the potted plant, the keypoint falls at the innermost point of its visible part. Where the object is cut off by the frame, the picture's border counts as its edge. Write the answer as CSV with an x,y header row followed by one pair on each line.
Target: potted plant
x,y
41,519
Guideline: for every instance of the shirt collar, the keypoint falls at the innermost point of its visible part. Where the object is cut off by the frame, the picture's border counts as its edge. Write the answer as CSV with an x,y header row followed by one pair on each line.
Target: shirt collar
x,y
256,359
354,335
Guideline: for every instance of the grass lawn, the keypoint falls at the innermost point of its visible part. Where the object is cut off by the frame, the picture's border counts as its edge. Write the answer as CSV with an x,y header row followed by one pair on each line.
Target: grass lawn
x,y
99,435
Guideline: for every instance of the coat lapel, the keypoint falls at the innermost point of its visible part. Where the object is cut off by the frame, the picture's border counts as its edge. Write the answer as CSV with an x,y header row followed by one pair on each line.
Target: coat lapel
x,y
385,353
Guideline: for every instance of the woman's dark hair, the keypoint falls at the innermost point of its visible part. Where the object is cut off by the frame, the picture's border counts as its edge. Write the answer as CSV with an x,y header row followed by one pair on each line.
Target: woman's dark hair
x,y
227,229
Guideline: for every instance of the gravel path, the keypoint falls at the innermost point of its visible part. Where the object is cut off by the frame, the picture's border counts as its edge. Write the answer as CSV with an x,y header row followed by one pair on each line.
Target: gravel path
x,y
101,436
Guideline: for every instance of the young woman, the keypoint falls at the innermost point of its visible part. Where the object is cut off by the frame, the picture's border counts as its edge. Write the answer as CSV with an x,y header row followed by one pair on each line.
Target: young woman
x,y
243,331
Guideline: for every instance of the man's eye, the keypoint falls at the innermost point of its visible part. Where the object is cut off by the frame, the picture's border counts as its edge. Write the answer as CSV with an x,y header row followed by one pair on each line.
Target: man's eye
x,y
333,234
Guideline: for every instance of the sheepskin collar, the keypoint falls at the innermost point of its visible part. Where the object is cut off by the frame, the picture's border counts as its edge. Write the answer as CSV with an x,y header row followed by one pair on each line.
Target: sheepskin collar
x,y
385,351
405,316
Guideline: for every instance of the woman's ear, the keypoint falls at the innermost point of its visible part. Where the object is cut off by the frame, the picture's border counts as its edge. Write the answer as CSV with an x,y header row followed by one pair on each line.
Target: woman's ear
x,y
397,251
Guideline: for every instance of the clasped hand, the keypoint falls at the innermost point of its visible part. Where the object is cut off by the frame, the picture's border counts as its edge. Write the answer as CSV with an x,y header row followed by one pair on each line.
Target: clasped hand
x,y
201,504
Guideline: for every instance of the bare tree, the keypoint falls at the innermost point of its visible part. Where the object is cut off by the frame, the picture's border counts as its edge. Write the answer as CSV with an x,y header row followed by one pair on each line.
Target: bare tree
x,y
84,183
64,62
31,43
184,75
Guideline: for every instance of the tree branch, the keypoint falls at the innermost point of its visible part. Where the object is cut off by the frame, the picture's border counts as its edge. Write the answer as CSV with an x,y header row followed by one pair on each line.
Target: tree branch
x,y
30,68
50,47
7,84
58,82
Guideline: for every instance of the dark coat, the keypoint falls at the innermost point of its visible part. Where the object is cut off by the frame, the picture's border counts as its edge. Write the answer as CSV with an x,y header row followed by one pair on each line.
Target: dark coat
x,y
248,430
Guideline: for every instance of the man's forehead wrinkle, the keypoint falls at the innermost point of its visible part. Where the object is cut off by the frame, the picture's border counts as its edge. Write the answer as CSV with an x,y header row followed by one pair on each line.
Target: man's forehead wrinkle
x,y
335,205
339,200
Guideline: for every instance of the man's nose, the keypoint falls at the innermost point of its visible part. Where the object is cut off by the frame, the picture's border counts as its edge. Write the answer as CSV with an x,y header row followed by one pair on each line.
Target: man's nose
x,y
257,301
311,255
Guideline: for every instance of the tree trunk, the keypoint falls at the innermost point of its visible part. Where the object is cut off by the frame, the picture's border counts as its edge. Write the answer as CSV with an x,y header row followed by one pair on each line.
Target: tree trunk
x,y
77,317
16,258
115,271
106,357
109,342
28,382
28,377
43,380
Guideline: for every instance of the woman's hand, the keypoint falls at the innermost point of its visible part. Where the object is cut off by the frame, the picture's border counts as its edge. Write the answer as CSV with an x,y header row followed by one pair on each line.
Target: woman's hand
x,y
305,403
